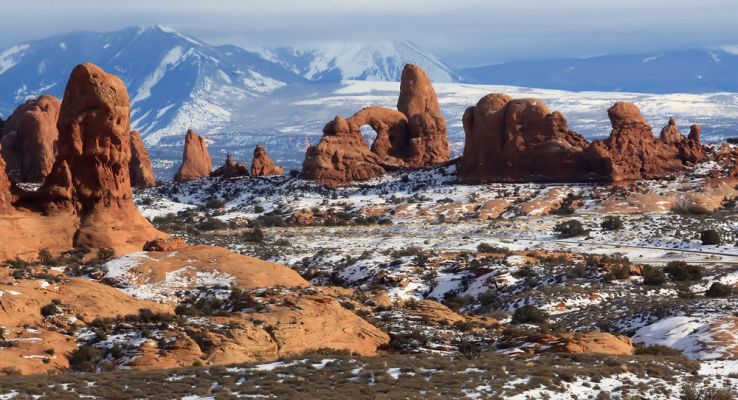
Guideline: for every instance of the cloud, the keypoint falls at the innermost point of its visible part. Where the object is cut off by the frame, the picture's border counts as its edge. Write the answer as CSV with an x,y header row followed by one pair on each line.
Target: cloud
x,y
464,32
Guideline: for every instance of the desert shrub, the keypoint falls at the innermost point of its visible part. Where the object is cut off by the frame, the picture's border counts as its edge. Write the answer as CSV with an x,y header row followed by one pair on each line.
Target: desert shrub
x,y
45,257
710,237
618,271
689,392
214,203
487,298
488,248
718,289
653,276
84,358
212,224
50,309
529,314
255,235
457,302
612,223
282,243
656,350
680,271
570,228
105,254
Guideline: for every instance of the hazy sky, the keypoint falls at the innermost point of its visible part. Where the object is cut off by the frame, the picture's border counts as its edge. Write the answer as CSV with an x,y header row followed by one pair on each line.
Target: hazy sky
x,y
463,32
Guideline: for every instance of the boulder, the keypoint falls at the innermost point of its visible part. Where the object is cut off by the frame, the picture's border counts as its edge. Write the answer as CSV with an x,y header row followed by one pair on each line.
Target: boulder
x,y
29,139
161,244
413,136
140,168
231,169
262,164
196,162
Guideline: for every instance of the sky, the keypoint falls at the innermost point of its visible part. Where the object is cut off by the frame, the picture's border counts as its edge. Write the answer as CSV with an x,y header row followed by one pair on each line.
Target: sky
x,y
462,32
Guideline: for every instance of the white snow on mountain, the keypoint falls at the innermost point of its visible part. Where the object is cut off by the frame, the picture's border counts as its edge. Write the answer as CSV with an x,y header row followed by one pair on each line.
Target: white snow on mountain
x,y
375,61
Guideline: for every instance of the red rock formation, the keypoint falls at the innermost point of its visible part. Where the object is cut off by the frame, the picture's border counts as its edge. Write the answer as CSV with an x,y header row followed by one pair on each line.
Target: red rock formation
x,y
341,156
231,169
412,136
670,133
196,162
140,168
262,164
164,244
519,140
91,175
632,152
29,139
6,198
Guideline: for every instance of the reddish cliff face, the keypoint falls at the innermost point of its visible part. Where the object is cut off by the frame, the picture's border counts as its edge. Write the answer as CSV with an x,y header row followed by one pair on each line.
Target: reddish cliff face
x,y
520,140
262,164
29,139
6,198
140,168
413,136
196,162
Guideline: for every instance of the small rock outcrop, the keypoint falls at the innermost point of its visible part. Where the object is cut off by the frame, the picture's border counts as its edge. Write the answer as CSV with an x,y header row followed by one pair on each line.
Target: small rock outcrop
x,y
196,161
262,164
140,168
231,169
521,141
167,244
29,139
413,136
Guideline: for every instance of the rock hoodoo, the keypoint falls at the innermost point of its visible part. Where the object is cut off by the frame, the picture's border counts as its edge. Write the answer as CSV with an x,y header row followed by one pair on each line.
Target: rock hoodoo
x,y
196,162
140,168
29,139
520,140
632,152
231,169
262,164
90,177
412,136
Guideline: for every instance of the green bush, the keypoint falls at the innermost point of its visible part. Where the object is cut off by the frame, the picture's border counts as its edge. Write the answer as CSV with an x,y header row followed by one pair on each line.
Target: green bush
x,y
680,271
529,314
710,237
569,229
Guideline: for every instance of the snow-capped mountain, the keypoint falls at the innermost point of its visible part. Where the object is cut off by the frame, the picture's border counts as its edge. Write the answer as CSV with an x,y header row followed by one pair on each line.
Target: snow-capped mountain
x,y
174,81
678,71
375,61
